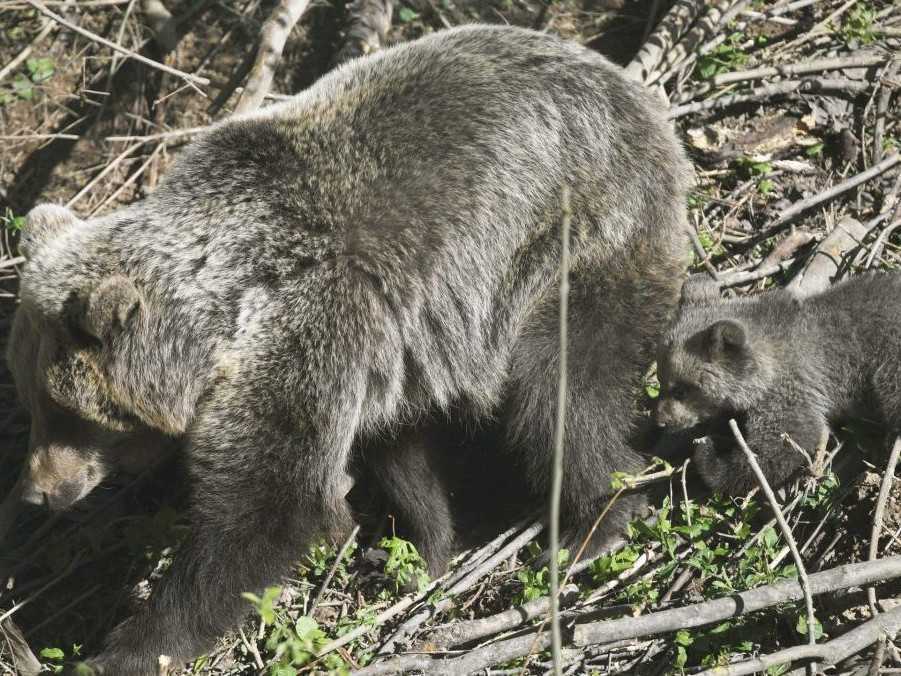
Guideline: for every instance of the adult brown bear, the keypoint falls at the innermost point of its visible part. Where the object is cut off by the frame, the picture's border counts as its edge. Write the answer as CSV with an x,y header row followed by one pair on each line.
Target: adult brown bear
x,y
309,276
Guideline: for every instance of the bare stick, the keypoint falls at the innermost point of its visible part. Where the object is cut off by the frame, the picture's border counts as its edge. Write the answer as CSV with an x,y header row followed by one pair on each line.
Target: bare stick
x,y
464,584
629,627
829,653
24,661
187,77
828,258
559,433
162,23
790,214
884,491
717,610
459,633
786,532
24,54
331,573
815,85
670,29
368,24
739,278
785,70
272,43
107,169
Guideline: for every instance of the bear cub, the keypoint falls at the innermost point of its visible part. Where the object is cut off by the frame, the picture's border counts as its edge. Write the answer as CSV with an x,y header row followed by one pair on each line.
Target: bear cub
x,y
782,366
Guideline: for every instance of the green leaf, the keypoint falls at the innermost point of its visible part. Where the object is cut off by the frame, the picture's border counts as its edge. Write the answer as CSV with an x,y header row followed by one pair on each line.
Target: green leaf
x,y
765,187
40,69
52,654
282,670
681,657
305,626
684,638
801,627
23,87
406,15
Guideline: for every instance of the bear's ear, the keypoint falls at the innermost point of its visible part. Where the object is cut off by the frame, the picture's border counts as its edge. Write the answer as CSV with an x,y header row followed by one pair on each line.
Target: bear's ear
x,y
42,224
726,337
112,305
699,288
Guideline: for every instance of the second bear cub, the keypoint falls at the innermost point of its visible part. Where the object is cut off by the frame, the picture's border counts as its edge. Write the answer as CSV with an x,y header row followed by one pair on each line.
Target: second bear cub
x,y
784,366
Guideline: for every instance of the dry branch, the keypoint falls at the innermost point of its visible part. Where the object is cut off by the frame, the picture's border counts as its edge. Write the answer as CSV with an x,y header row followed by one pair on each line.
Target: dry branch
x,y
272,43
807,85
885,490
842,577
557,466
828,258
786,533
367,26
161,23
187,77
888,624
23,659
784,70
790,214
670,30
612,631
459,633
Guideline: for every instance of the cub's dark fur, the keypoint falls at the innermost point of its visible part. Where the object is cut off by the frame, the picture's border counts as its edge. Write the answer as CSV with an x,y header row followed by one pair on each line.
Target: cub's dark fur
x,y
786,366
384,245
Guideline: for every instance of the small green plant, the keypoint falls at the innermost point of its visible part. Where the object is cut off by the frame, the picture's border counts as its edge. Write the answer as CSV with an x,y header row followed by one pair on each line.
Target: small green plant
x,y
404,565
406,15
816,150
55,656
752,167
537,583
11,221
289,643
858,24
724,58
39,71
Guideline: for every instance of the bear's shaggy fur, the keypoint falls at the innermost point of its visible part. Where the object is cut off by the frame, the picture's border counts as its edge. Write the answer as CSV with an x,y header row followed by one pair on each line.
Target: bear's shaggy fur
x,y
782,365
383,246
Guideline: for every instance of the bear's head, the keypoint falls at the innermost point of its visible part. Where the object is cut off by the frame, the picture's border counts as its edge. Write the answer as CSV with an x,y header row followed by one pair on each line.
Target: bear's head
x,y
709,364
64,340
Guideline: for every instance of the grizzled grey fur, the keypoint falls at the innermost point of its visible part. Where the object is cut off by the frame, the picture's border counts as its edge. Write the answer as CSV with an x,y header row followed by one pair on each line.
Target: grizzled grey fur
x,y
783,365
380,247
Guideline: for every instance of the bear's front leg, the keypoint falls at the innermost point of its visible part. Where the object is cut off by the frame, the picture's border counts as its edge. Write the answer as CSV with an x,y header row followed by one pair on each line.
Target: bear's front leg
x,y
268,475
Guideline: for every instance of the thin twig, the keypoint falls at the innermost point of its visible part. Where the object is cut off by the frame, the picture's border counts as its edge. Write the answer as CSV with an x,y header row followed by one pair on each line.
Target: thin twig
x,y
836,650
786,533
274,35
187,77
557,465
885,490
807,85
331,573
790,214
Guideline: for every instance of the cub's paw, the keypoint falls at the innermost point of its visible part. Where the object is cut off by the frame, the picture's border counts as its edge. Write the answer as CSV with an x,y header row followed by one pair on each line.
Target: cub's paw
x,y
722,466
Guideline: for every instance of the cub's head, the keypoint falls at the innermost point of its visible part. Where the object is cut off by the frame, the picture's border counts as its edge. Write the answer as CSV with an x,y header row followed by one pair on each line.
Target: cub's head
x,y
711,362
69,322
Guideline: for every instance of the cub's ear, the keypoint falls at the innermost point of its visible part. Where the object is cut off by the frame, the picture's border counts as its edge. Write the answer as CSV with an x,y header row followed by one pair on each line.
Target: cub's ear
x,y
699,289
44,223
110,307
726,336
